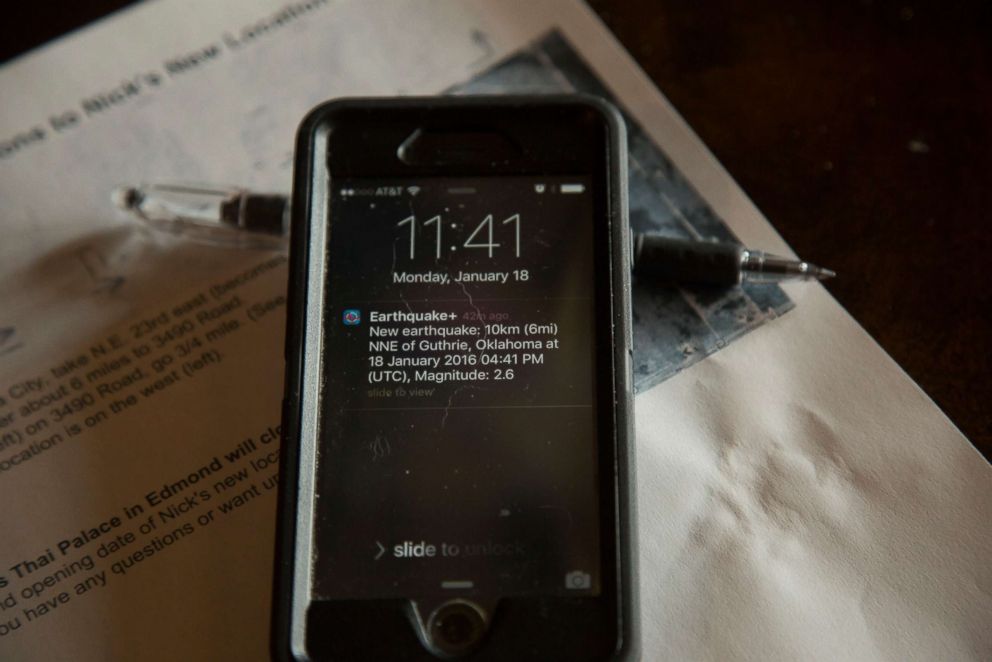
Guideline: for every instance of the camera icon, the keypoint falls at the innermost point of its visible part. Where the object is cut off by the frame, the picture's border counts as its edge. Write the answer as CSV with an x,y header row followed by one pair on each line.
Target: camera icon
x,y
578,580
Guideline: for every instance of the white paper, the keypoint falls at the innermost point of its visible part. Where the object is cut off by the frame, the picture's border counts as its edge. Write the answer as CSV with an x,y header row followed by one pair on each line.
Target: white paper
x,y
799,497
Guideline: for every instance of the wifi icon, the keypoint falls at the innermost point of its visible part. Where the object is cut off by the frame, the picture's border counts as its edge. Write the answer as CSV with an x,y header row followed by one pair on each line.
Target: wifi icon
x,y
413,190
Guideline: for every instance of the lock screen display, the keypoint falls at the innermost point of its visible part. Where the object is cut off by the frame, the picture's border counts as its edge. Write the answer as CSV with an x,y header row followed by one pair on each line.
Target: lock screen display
x,y
458,449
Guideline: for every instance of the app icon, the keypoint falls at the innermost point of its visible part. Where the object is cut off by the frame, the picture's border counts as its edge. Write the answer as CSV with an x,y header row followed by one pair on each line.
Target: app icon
x,y
352,317
578,580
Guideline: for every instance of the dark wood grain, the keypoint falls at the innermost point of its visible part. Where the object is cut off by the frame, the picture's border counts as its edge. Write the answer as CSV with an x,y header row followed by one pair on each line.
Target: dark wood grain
x,y
863,131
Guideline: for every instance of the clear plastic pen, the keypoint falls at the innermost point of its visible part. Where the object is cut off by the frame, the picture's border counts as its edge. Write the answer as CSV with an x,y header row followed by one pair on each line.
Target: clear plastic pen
x,y
238,217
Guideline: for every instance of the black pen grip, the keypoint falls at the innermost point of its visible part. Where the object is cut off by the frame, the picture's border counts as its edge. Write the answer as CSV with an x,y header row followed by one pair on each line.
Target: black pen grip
x,y
681,261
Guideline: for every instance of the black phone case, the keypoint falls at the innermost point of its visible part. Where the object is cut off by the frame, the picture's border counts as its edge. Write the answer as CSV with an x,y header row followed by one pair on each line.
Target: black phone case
x,y
311,130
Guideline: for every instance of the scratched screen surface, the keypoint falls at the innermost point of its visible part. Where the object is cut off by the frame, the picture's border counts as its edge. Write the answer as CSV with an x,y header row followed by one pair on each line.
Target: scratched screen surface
x,y
458,453
673,326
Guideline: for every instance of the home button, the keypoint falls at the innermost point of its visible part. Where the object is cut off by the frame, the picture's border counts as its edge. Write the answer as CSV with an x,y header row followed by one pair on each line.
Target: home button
x,y
456,627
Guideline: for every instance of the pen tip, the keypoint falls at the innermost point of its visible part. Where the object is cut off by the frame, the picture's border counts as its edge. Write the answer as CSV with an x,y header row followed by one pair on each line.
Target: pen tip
x,y
125,197
823,274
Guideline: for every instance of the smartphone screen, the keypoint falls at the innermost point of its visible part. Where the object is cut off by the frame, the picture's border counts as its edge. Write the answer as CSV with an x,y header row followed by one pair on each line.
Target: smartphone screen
x,y
458,449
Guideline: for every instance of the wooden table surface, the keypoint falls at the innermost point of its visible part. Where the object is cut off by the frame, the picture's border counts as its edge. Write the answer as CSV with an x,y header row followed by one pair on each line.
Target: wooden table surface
x,y
862,130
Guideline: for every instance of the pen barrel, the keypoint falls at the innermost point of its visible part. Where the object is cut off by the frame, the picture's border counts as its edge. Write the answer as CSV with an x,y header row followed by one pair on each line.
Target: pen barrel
x,y
682,261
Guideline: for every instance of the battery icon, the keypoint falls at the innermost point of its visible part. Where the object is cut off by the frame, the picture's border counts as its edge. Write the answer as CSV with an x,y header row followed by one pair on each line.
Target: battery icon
x,y
572,188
